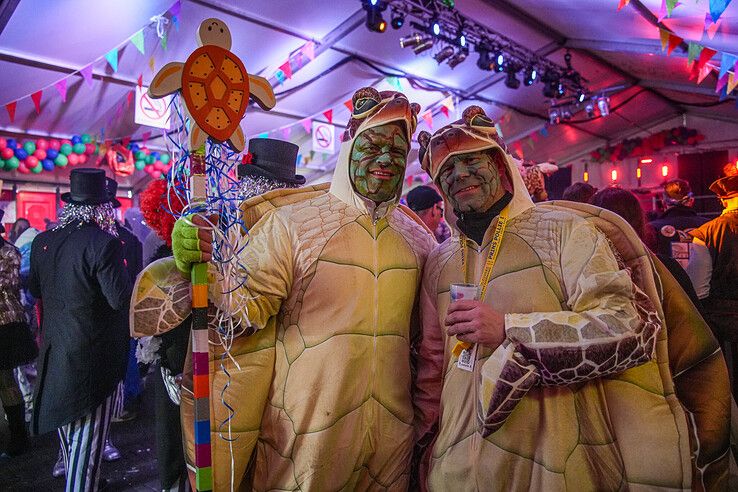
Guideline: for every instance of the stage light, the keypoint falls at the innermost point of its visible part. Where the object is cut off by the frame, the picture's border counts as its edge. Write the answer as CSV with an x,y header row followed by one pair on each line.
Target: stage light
x,y
484,62
459,57
647,160
499,62
581,96
664,170
512,80
585,177
435,26
411,40
442,55
530,76
638,172
554,116
560,89
373,3
551,82
374,20
566,114
589,109
549,90
603,104
614,175
398,20
424,45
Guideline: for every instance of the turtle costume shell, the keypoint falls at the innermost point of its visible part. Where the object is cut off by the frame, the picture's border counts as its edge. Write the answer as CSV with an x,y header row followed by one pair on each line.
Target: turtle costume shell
x,y
215,86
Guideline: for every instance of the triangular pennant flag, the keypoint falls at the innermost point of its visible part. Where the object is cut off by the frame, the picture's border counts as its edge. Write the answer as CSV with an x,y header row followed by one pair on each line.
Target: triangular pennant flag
x,y
704,72
145,137
674,41
139,82
10,108
280,76
174,9
722,82
717,7
152,63
287,69
307,124
622,4
126,141
544,131
129,98
705,56
727,62
535,136
444,110
662,11
328,115
664,38
112,57
349,105
670,5
163,41
175,21
309,50
87,74
395,82
519,149
732,82
138,41
428,117
36,98
286,132
498,127
723,94
61,87
529,142
448,103
693,52
713,27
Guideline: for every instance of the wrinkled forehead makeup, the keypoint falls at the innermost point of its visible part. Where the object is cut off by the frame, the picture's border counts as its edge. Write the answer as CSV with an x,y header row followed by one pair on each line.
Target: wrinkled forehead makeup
x,y
495,155
394,129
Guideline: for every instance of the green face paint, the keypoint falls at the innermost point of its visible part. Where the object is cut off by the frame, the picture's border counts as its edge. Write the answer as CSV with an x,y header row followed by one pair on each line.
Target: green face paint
x,y
471,181
378,160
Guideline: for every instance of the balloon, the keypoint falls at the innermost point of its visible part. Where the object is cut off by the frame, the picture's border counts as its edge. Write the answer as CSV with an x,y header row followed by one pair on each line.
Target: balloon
x,y
140,165
150,159
79,148
12,143
165,158
86,138
3,143
156,174
7,153
159,166
52,153
156,155
31,162
29,147
65,141
21,154
2,164
73,159
81,159
23,169
146,150
89,148
40,154
48,164
12,163
42,144
65,149
134,148
76,139
140,155
37,169
61,160
54,144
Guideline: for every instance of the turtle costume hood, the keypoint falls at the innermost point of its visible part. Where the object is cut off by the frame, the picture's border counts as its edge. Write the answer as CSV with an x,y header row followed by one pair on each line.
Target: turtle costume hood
x,y
474,132
371,109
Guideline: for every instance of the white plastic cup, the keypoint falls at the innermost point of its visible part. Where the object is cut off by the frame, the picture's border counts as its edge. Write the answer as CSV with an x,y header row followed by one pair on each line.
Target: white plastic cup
x,y
464,292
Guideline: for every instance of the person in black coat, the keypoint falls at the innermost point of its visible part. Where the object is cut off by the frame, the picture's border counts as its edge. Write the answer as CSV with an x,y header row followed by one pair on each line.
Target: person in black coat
x,y
79,274
677,220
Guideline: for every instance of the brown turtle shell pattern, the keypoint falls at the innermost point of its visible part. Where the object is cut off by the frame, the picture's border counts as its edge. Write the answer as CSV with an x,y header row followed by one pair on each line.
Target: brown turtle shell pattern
x,y
215,86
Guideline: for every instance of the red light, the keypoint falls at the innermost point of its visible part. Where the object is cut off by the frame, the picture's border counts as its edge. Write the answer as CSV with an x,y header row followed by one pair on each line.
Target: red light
x,y
646,161
614,174
664,170
586,176
638,173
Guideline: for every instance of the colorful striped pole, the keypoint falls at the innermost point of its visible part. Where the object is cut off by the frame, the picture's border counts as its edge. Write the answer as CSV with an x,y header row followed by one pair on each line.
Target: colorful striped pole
x,y
200,347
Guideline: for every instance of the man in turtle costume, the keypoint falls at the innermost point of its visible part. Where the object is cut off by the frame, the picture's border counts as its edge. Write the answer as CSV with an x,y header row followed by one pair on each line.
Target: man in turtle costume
x,y
331,291
574,375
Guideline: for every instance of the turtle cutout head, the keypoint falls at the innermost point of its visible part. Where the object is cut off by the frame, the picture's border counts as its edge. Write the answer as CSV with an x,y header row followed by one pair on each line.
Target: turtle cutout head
x,y
214,32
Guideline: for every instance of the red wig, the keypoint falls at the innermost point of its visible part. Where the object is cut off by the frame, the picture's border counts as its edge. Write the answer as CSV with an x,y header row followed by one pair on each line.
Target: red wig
x,y
155,208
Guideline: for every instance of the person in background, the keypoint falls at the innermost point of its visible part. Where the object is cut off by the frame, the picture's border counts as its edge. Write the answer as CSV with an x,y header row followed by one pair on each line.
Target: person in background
x,y
79,275
428,204
579,192
626,204
17,346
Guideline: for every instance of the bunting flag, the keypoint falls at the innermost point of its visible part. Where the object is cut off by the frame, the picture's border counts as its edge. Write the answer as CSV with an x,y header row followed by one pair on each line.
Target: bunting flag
x,y
307,124
145,137
36,98
61,87
309,50
349,105
622,4
163,41
175,21
129,98
10,108
444,110
280,76
693,53
112,58
519,149
428,117
664,35
662,11
287,69
535,136
138,41
703,72
721,83
674,41
529,142
126,141
732,82
152,63
395,82
139,82
711,27
670,6
263,135
87,74
174,9
328,115
705,55
448,103
717,7
727,62
498,127
286,132
544,131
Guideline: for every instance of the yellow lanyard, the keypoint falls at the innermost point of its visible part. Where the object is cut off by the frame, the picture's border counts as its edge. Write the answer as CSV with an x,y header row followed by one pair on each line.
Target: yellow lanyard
x,y
494,249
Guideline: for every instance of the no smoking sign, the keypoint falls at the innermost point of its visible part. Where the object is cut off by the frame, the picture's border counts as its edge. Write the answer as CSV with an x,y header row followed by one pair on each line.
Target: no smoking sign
x,y
152,112
324,136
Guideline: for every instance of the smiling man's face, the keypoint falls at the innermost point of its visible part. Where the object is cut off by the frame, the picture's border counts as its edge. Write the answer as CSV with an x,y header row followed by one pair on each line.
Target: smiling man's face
x,y
471,181
378,160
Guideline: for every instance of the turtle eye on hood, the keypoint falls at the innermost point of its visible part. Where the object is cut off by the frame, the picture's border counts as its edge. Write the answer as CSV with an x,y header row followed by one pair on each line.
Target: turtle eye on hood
x,y
363,106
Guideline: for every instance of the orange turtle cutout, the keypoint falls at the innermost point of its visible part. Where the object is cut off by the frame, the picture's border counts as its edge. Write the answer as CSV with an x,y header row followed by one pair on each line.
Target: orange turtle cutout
x,y
215,86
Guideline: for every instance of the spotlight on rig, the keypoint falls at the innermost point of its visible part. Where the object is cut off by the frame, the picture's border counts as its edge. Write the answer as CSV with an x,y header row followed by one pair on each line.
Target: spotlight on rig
x,y
566,113
499,61
589,109
443,55
560,89
485,58
461,37
581,96
459,57
530,76
603,104
411,40
512,80
550,80
424,45
554,116
398,20
374,20
435,26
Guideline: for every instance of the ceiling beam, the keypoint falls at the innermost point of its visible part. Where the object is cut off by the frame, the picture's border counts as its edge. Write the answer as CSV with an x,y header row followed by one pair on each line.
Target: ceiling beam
x,y
687,88
641,48
7,8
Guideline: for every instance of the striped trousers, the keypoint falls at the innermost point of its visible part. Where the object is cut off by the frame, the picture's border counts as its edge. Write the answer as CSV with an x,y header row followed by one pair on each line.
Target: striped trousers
x,y
82,442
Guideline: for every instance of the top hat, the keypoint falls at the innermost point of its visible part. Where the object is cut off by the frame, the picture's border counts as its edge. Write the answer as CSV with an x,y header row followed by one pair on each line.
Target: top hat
x,y
87,187
272,159
112,186
726,187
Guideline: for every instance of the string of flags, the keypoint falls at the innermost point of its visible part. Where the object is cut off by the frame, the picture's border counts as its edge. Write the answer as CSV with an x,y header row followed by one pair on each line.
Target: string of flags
x,y
716,9
295,61
112,59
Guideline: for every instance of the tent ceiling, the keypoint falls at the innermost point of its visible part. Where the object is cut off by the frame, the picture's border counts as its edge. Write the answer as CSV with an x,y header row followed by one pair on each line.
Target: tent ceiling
x,y
45,41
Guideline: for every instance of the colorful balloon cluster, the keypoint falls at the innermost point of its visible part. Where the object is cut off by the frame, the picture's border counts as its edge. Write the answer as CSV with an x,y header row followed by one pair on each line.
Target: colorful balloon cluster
x,y
636,147
45,154
153,162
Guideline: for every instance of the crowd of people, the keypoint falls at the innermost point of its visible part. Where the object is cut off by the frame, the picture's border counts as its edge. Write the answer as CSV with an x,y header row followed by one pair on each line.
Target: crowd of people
x,y
356,366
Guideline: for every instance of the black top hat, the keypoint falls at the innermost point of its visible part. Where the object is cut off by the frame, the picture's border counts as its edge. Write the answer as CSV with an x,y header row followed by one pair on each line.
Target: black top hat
x,y
272,159
726,187
87,187
113,189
